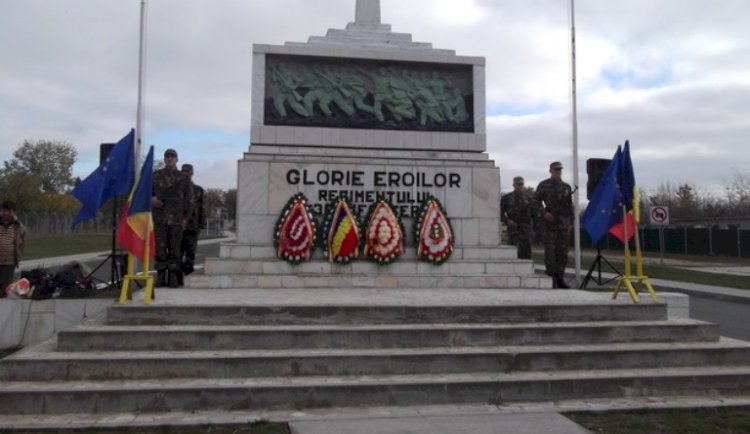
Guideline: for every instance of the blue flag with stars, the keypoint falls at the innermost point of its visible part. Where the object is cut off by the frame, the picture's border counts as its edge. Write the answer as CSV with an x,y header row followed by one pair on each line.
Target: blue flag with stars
x,y
627,177
113,177
605,208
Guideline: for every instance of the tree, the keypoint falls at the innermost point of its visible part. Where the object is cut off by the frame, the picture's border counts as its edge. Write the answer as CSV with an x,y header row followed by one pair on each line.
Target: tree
x,y
213,200
49,161
738,195
686,202
22,188
230,203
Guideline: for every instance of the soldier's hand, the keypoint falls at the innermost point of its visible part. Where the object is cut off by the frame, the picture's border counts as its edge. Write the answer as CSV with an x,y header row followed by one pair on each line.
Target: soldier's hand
x,y
156,203
184,224
549,217
512,224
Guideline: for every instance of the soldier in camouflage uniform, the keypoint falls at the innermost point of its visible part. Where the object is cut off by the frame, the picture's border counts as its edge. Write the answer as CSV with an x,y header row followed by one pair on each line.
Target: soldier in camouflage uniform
x,y
519,210
172,203
554,196
192,231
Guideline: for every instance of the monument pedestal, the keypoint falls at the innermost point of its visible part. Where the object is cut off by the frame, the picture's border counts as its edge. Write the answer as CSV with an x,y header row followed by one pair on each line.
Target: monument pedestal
x,y
364,113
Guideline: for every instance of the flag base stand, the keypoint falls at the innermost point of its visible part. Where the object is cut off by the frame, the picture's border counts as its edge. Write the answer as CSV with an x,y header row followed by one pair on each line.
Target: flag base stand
x,y
126,292
597,265
627,283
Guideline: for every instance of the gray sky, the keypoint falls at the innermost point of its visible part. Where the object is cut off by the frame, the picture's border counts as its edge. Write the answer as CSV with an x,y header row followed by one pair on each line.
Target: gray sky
x,y
672,76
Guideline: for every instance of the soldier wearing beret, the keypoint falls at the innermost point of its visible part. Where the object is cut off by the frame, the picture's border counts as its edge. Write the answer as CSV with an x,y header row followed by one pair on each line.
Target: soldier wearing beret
x,y
555,197
172,203
519,210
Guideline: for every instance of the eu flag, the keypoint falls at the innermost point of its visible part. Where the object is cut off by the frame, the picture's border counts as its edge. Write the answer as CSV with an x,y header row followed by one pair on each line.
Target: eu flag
x,y
626,177
605,208
113,177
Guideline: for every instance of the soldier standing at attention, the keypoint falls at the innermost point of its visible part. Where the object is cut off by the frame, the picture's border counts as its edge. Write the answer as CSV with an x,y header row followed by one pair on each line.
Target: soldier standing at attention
x,y
192,231
554,196
172,205
518,210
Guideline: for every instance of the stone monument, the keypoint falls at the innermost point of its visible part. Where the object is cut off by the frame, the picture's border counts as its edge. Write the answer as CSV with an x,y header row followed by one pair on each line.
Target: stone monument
x,y
366,113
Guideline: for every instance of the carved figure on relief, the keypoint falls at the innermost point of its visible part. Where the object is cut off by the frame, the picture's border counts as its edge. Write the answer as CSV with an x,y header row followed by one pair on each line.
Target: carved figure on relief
x,y
407,94
287,84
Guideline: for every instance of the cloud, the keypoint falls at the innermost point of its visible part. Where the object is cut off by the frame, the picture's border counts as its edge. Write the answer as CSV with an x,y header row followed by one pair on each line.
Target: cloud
x,y
670,76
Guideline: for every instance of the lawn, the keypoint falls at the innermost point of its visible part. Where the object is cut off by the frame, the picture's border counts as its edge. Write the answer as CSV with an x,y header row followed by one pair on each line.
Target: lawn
x,y
262,427
654,270
721,420
47,246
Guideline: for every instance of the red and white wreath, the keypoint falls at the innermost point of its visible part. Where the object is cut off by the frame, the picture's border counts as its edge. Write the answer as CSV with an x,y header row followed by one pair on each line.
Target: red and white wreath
x,y
384,234
433,232
296,235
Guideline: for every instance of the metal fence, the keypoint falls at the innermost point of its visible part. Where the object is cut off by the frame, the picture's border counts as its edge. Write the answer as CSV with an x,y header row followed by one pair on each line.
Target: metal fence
x,y
732,240
59,223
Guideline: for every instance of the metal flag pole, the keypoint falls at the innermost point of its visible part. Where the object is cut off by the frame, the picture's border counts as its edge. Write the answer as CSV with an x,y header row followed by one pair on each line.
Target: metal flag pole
x,y
574,116
139,109
126,292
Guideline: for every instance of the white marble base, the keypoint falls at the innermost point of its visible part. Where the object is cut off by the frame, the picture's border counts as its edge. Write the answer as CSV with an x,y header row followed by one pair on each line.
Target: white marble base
x,y
27,322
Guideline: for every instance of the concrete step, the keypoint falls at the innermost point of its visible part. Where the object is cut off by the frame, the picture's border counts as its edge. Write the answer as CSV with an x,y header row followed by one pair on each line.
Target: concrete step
x,y
374,281
241,337
57,397
374,414
161,365
410,268
291,314
255,251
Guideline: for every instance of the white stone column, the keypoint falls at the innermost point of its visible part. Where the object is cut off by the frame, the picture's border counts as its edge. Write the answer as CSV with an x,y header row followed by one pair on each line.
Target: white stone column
x,y
367,12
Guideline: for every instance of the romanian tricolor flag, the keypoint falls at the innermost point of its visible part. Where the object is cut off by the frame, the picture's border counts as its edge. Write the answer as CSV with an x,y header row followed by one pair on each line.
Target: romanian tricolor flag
x,y
137,225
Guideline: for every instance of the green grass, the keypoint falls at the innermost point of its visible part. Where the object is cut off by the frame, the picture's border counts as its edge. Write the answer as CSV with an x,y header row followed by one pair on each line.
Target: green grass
x,y
47,246
262,427
719,420
666,272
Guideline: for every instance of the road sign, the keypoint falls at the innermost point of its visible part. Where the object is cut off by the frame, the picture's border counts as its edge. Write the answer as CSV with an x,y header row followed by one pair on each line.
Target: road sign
x,y
659,215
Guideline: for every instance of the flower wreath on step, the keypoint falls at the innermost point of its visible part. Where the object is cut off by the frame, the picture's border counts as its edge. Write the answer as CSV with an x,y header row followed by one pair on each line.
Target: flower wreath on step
x,y
383,234
341,233
296,233
433,233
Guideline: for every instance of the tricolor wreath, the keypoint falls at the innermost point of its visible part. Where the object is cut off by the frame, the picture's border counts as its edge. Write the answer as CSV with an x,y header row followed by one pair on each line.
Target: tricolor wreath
x,y
341,235
384,234
296,235
433,232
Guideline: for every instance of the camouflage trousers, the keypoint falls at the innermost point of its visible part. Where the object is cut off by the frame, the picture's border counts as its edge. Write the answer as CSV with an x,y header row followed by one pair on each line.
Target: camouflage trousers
x,y
521,238
556,243
187,251
168,238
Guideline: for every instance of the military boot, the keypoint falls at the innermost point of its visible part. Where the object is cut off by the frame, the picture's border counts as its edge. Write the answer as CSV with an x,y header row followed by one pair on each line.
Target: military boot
x,y
561,282
173,282
161,279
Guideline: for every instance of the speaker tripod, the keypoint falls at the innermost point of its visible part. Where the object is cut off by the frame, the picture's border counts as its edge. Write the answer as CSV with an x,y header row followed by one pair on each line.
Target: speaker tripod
x,y
597,265
118,267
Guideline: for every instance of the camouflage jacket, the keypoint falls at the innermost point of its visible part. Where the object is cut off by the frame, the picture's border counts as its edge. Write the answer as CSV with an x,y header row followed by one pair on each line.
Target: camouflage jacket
x,y
556,197
519,207
175,190
197,218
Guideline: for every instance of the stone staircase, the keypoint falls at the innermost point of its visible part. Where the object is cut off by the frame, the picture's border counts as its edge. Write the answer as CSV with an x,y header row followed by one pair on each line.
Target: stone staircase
x,y
254,350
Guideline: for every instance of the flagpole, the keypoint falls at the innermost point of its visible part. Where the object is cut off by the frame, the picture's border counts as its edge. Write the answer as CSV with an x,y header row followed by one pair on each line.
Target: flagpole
x,y
139,109
574,116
